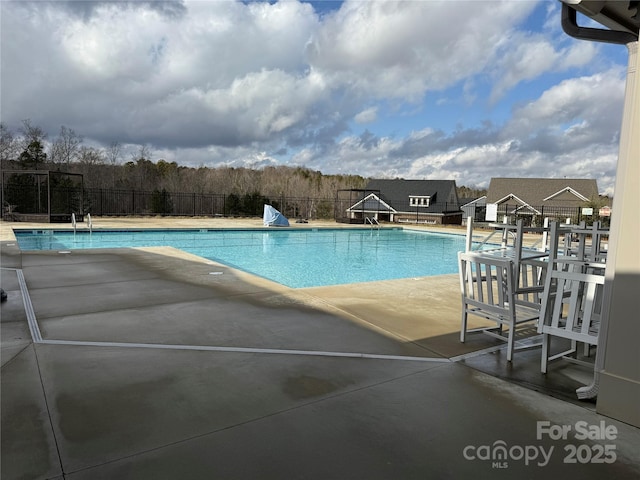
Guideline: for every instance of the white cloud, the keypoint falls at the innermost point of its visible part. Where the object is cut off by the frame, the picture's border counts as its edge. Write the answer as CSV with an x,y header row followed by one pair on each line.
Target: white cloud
x,y
526,57
566,132
230,63
402,49
574,100
212,82
367,116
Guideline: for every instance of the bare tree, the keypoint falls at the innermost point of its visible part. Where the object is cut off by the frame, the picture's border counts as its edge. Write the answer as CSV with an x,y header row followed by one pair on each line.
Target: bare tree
x,y
143,153
90,156
66,147
90,164
113,153
242,181
8,144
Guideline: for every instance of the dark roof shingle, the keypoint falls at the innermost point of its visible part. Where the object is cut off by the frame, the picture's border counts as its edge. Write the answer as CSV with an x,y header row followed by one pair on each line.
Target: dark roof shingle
x,y
534,191
396,192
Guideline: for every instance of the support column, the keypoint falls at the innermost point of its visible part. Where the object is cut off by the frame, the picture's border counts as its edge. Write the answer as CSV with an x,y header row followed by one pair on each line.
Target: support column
x,y
618,364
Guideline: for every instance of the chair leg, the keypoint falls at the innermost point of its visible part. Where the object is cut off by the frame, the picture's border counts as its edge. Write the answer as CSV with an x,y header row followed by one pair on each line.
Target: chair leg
x,y
545,353
510,342
463,327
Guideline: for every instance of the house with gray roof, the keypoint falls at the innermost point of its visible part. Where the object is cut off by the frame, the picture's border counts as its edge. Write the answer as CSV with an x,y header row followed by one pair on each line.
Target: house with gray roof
x,y
409,201
550,197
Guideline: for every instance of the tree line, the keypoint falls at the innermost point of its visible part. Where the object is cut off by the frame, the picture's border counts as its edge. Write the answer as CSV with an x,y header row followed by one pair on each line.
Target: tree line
x,y
28,148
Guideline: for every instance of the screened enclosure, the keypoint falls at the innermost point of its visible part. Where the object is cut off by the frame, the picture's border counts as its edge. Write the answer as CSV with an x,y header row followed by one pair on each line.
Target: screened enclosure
x,y
42,195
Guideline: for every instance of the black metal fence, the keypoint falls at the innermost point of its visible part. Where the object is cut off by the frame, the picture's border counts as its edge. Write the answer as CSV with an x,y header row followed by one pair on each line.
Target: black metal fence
x,y
31,200
109,202
114,202
534,216
27,200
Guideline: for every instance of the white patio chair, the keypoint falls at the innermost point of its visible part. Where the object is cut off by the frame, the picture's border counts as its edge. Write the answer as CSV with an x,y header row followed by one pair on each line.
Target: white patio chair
x,y
570,309
489,289
587,243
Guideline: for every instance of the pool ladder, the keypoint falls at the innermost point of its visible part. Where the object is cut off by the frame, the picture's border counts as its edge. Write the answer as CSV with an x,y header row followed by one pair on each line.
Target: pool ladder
x,y
373,221
75,224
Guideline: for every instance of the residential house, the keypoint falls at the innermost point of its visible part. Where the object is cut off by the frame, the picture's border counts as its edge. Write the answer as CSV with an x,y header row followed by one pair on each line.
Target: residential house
x,y
538,197
409,201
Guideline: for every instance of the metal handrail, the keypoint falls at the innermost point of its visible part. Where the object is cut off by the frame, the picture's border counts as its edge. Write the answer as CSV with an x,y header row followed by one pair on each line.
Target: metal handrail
x,y
373,221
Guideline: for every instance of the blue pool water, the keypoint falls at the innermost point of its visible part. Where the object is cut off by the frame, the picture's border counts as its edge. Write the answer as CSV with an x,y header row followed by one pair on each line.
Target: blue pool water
x,y
295,258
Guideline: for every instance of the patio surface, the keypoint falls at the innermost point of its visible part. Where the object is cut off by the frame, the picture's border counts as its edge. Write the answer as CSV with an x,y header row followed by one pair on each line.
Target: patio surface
x,y
139,363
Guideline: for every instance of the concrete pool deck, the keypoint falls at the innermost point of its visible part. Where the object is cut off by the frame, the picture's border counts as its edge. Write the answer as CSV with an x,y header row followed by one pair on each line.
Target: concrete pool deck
x,y
154,363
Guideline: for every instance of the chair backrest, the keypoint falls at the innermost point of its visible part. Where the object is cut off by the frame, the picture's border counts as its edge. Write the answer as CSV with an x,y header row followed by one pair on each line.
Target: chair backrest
x,y
587,243
571,305
599,243
486,281
530,273
529,286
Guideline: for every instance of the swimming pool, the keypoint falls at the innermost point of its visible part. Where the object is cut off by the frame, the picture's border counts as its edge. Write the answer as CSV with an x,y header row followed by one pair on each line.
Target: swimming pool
x,y
295,258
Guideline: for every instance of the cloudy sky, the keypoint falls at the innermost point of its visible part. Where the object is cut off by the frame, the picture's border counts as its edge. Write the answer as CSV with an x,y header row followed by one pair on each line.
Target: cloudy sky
x,y
412,89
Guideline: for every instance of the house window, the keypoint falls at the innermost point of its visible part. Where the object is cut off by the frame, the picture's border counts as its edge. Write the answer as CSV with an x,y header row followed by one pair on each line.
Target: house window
x,y
419,201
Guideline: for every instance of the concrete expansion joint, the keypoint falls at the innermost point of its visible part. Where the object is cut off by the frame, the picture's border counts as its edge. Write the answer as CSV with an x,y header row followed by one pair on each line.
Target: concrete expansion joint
x,y
28,306
37,339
